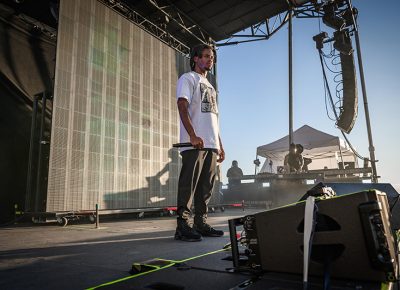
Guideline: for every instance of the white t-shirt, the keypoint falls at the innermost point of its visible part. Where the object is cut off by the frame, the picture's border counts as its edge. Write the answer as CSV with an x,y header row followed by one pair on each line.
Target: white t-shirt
x,y
203,109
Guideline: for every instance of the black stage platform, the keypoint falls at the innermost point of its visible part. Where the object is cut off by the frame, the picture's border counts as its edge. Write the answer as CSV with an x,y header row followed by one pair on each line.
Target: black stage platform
x,y
81,257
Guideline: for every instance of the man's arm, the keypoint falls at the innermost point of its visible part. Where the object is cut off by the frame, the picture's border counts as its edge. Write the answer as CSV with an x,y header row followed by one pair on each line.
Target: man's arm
x,y
228,173
183,104
221,151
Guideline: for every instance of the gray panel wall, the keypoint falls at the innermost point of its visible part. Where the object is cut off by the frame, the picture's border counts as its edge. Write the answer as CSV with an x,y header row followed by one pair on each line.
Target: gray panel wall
x,y
114,117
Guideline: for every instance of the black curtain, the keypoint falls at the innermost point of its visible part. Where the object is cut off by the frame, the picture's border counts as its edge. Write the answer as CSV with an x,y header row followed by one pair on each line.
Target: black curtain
x,y
27,61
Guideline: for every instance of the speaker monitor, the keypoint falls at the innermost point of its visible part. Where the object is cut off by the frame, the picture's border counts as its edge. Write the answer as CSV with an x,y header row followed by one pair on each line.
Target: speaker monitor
x,y
392,195
352,231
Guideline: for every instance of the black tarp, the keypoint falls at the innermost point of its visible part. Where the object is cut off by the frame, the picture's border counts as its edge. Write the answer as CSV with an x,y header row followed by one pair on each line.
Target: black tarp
x,y
27,60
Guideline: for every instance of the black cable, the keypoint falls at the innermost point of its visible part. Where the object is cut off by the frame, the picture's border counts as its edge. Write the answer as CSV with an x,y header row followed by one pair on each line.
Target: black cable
x,y
327,85
326,104
330,55
327,101
337,79
332,71
339,82
334,111
352,148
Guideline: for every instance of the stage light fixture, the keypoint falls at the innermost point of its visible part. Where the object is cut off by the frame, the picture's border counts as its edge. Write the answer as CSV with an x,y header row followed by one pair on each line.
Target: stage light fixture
x,y
166,19
319,39
343,42
331,19
348,16
298,3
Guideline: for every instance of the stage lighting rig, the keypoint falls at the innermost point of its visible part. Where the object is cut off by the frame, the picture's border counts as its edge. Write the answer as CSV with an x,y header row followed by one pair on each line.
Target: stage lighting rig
x,y
350,15
331,16
343,42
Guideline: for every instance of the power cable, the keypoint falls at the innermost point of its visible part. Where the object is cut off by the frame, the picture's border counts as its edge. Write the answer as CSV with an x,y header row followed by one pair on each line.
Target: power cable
x,y
326,86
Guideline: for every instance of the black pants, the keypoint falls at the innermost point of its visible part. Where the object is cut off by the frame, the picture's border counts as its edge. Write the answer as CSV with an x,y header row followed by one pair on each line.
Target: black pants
x,y
196,181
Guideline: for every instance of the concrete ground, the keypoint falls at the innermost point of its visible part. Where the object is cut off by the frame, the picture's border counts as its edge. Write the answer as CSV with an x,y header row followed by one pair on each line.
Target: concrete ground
x,y
78,256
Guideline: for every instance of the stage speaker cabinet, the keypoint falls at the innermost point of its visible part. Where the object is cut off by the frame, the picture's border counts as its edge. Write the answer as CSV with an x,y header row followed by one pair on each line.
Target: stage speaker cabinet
x,y
348,114
352,231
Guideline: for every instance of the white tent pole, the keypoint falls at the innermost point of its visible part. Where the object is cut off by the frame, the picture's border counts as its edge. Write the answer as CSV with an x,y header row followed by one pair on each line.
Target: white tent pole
x,y
341,155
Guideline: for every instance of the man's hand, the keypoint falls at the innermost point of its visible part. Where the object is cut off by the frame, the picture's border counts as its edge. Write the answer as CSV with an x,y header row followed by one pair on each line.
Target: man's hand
x,y
197,142
221,154
221,151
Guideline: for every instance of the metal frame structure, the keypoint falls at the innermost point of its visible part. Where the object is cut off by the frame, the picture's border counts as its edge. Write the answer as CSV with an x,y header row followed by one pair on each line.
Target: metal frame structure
x,y
158,30
266,29
260,31
38,142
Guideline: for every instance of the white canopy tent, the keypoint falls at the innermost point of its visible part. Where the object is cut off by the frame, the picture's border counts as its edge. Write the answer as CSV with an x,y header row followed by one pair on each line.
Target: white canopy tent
x,y
323,149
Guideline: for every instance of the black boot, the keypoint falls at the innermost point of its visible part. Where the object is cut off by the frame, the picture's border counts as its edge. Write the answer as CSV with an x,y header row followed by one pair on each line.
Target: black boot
x,y
185,232
205,229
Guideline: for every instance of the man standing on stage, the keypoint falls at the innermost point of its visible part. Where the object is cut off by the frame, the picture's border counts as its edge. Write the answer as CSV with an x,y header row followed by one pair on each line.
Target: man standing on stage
x,y
234,173
198,111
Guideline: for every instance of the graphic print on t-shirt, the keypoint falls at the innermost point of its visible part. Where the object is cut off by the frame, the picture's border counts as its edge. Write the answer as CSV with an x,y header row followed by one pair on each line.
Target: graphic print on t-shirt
x,y
208,99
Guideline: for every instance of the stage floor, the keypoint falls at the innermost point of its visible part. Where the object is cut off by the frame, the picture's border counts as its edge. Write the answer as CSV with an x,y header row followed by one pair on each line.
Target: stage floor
x,y
78,256
81,257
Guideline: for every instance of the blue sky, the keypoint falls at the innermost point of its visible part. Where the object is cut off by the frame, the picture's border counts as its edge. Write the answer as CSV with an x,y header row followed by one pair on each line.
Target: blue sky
x,y
253,89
